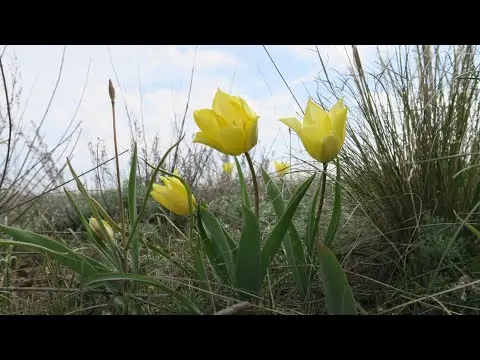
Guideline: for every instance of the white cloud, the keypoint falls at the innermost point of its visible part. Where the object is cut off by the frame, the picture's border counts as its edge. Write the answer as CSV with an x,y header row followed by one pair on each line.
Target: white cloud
x,y
164,72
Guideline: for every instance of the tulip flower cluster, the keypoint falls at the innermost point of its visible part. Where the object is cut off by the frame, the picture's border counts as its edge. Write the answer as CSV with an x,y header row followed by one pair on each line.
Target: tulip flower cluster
x,y
231,128
243,261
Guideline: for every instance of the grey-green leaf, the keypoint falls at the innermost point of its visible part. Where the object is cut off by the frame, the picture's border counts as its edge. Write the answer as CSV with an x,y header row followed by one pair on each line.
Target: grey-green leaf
x,y
146,280
214,256
248,265
337,210
291,242
82,265
213,227
338,294
276,236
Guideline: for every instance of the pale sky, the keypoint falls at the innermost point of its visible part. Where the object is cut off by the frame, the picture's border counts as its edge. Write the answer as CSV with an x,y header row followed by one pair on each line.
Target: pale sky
x,y
164,73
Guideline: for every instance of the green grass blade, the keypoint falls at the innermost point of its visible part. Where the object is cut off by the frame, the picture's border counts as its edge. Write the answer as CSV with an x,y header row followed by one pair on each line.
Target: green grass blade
x,y
338,294
467,225
133,230
243,186
213,227
248,265
132,208
82,265
291,242
202,272
185,266
337,210
5,242
146,280
275,238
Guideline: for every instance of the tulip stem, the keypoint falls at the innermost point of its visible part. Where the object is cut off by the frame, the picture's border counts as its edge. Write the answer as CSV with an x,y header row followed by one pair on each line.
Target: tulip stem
x,y
255,184
323,183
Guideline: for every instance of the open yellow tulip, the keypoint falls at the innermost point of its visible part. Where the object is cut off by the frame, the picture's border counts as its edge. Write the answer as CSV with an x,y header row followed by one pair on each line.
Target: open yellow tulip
x,y
322,133
172,195
98,230
229,127
281,167
227,167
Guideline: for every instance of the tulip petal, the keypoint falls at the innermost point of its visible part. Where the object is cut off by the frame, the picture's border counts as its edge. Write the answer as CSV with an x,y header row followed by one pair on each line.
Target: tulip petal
x,y
322,147
235,141
292,123
208,121
158,188
202,138
166,182
338,114
312,141
230,108
251,116
315,115
161,198
177,187
251,131
338,106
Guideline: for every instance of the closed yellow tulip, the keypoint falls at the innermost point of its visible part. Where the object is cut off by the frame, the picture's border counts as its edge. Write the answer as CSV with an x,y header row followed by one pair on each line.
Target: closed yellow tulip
x,y
227,167
322,133
172,195
98,230
229,127
281,167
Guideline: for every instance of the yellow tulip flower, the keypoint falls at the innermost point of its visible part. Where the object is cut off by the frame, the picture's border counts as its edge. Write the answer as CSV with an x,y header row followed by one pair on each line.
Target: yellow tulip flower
x,y
172,195
229,127
98,230
281,167
322,133
227,167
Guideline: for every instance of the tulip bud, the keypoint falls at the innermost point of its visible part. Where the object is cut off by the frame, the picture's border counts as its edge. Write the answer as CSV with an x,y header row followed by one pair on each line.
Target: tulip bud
x,y
98,230
111,90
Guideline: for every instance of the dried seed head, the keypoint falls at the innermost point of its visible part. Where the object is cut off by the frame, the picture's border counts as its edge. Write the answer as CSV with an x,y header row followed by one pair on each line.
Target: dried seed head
x,y
111,90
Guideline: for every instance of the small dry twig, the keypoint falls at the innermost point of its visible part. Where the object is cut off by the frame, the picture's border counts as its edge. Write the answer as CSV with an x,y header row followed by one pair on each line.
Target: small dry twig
x,y
234,309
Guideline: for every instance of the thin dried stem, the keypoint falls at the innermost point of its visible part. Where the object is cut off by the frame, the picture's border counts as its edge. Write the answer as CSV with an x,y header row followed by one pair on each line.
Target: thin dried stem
x,y
10,125
111,91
